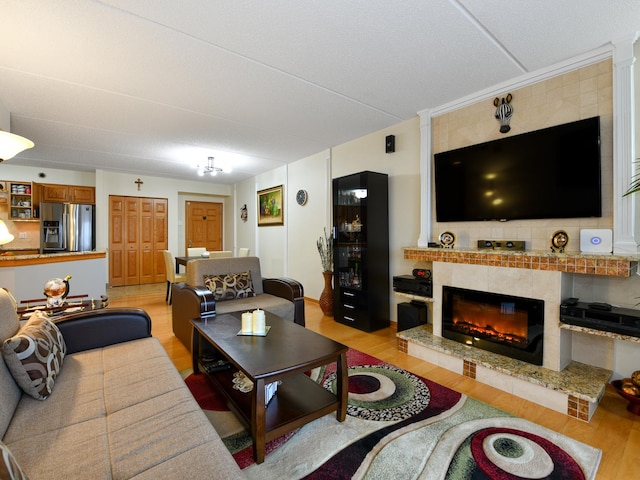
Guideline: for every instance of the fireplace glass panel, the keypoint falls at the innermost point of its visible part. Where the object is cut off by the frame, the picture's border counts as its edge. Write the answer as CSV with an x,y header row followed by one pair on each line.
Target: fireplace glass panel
x,y
503,324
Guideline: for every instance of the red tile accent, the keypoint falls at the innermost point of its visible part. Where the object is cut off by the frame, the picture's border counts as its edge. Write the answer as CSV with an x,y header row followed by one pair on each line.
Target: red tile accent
x,y
469,369
578,408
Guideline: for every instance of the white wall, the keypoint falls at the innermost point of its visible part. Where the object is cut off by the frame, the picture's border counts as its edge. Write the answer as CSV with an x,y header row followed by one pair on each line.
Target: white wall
x,y
403,168
88,277
245,232
271,241
307,222
291,250
636,51
112,183
12,170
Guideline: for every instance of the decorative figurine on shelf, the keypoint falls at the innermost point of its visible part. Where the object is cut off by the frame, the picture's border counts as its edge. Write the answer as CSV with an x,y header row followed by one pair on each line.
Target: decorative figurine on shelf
x,y
356,225
559,241
56,290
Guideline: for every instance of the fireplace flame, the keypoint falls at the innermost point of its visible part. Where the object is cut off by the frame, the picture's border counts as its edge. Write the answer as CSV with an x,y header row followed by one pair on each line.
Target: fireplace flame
x,y
492,322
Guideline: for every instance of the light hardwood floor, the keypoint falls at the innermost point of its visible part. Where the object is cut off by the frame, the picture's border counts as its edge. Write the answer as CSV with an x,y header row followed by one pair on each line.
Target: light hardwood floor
x,y
612,429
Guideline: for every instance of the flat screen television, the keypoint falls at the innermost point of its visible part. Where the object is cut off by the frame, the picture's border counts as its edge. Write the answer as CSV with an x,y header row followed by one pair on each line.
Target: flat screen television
x,y
549,173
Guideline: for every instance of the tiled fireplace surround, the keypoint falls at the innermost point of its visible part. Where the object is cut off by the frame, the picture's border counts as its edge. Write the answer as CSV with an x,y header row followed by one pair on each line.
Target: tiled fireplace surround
x,y
561,384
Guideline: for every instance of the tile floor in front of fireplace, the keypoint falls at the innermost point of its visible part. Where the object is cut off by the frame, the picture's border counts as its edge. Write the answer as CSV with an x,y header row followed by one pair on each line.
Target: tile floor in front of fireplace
x,y
578,387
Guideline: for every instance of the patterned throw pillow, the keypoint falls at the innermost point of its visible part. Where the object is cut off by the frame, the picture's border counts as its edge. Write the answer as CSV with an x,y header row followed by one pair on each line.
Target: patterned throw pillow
x,y
230,285
9,468
34,355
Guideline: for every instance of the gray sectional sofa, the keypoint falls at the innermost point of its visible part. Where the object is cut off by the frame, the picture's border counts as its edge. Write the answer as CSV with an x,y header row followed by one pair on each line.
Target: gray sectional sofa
x,y
117,408
192,299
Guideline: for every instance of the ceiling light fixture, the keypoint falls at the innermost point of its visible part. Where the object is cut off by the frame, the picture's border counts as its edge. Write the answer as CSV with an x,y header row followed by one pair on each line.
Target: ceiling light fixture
x,y
211,169
12,144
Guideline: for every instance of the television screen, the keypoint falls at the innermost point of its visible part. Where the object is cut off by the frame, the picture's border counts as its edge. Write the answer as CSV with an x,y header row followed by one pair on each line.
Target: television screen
x,y
549,173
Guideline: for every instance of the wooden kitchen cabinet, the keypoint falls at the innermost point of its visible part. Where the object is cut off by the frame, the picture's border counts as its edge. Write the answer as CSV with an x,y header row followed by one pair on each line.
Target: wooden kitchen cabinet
x,y
67,193
21,201
79,194
54,193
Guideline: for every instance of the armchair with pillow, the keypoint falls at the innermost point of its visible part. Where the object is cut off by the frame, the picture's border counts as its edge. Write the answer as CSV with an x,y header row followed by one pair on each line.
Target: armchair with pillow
x,y
235,284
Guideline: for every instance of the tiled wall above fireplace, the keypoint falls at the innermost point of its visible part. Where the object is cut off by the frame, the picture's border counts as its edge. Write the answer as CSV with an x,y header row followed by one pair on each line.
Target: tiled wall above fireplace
x,y
574,95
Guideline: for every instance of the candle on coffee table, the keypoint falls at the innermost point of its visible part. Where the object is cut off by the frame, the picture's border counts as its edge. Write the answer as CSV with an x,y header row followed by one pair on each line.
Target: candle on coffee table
x,y
247,322
259,322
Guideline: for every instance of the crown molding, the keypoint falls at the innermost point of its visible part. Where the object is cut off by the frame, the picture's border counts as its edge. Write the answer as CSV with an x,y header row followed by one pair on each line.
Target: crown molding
x,y
595,56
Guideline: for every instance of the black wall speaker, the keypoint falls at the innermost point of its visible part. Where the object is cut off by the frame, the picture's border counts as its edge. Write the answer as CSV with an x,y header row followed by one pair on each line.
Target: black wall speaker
x,y
390,144
411,315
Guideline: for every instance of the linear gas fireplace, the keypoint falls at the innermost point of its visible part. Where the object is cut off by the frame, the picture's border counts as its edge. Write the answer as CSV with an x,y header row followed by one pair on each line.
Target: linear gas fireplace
x,y
503,324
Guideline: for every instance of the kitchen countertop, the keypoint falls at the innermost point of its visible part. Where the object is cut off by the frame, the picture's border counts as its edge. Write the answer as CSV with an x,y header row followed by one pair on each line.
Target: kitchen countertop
x,y
11,259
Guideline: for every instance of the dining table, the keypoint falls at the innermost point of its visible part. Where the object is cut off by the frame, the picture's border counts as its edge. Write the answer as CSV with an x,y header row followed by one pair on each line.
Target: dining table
x,y
185,260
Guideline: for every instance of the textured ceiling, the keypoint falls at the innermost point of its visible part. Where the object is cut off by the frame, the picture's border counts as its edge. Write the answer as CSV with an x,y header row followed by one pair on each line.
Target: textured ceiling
x,y
158,85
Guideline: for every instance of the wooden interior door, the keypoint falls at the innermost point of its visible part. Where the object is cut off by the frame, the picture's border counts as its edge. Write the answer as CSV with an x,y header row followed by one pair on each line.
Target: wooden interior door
x,y
116,241
137,236
204,225
160,241
147,257
132,241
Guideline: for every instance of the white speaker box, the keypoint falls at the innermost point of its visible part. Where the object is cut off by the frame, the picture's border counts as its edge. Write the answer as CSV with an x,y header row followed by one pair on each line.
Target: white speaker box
x,y
597,240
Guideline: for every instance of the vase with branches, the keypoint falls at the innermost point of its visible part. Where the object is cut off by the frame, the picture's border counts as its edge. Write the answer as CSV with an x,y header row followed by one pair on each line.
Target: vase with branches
x,y
325,249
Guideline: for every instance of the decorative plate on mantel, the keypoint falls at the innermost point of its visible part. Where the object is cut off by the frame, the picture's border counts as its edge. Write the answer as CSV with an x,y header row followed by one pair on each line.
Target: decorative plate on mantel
x,y
447,239
559,241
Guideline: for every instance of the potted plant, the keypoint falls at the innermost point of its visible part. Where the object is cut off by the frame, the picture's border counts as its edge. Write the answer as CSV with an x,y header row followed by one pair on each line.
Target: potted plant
x,y
635,183
325,249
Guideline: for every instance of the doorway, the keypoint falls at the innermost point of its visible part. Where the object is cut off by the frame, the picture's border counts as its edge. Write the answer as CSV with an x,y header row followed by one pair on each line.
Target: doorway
x,y
203,225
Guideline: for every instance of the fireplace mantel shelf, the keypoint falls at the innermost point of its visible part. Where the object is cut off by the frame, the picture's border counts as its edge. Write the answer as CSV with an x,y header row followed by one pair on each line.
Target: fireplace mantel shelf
x,y
599,333
606,265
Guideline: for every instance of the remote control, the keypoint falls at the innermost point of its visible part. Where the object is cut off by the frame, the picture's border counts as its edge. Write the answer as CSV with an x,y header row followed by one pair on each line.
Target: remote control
x,y
217,366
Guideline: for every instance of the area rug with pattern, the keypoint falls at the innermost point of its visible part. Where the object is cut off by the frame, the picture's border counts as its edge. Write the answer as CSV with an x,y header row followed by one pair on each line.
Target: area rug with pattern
x,y
400,425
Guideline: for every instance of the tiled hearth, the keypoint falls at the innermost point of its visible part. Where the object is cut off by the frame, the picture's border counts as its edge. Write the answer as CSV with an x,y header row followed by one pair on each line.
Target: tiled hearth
x,y
561,384
576,391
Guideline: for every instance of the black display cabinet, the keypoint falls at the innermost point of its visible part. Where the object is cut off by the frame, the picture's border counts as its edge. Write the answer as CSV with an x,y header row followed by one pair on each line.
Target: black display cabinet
x,y
361,250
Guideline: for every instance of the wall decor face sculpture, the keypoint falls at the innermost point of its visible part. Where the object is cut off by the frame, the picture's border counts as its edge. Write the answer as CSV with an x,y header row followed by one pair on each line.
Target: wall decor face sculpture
x,y
504,112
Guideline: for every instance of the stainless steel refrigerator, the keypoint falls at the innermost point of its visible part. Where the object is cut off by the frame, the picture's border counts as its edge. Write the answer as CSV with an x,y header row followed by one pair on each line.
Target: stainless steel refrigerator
x,y
67,227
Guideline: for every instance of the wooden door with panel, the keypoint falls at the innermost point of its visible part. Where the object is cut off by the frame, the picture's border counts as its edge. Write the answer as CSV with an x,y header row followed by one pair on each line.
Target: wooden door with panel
x,y
204,225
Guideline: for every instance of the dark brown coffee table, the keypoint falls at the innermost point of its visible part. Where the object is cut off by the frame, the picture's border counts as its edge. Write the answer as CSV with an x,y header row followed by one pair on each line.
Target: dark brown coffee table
x,y
284,354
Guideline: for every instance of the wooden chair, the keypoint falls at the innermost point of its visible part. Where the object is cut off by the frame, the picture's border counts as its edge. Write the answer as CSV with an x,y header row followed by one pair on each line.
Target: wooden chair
x,y
172,276
195,251
221,254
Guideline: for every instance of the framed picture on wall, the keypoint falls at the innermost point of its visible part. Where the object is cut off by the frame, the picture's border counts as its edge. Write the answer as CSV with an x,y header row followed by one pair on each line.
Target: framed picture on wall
x,y
271,206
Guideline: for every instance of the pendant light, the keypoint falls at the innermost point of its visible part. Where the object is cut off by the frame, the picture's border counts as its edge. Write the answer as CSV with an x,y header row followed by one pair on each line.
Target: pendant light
x,y
12,144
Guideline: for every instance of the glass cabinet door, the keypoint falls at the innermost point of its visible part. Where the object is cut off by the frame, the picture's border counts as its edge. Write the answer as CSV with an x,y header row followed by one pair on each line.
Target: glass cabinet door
x,y
351,234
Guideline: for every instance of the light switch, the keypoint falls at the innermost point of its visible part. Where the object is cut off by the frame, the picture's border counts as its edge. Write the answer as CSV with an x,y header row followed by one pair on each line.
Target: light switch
x,y
23,235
